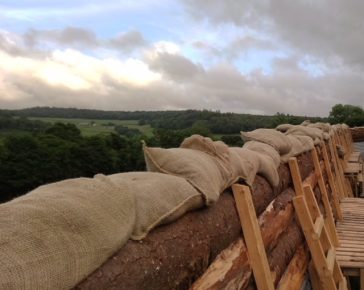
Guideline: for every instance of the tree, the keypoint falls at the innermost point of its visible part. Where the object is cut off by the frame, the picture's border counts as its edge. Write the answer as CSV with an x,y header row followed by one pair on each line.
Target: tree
x,y
64,131
346,114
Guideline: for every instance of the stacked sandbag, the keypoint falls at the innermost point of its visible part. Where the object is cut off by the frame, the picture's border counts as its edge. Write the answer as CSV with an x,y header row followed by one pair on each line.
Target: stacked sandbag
x,y
75,225
272,137
208,174
175,255
159,198
54,236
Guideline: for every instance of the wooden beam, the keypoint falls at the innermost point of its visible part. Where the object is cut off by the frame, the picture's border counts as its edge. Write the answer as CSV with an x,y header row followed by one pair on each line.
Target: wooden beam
x,y
329,218
294,276
334,193
296,175
253,238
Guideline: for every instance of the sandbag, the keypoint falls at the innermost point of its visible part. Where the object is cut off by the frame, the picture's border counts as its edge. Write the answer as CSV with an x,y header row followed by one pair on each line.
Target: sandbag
x,y
264,149
300,144
326,127
272,137
205,172
284,127
54,236
217,149
247,163
315,133
159,198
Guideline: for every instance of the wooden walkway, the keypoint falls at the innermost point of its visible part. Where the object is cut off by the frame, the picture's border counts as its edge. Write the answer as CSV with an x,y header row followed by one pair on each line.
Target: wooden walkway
x,y
350,230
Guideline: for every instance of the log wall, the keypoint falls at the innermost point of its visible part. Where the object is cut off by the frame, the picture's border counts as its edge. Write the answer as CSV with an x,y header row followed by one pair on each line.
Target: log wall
x,y
358,134
176,255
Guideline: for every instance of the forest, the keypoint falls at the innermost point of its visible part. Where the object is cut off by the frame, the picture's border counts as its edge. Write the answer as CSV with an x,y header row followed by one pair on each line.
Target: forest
x,y
35,152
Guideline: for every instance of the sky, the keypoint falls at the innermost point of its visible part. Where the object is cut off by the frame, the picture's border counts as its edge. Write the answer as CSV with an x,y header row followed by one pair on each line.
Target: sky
x,y
253,56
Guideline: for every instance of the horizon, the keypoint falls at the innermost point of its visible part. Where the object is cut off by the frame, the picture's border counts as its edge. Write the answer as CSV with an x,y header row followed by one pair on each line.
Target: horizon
x,y
243,57
180,110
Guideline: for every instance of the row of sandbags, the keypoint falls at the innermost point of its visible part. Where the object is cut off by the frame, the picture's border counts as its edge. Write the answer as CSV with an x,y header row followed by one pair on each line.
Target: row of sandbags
x,y
56,235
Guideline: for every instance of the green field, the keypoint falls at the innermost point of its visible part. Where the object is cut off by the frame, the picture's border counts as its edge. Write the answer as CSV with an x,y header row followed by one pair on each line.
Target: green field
x,y
91,127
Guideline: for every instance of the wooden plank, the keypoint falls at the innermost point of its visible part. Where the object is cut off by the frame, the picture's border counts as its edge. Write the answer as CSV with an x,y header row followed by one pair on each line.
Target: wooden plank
x,y
351,264
296,175
338,179
319,224
253,238
317,252
334,193
293,277
330,259
329,219
314,278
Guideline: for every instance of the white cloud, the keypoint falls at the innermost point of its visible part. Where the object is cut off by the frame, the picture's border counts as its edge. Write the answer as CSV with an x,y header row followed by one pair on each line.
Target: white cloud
x,y
298,57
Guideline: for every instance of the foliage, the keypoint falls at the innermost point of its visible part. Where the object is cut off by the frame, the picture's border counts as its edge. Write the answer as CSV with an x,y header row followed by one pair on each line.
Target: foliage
x,y
63,148
126,131
232,140
349,114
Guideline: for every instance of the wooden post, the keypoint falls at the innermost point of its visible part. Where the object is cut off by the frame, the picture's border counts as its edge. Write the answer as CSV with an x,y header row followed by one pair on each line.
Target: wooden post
x,y
334,193
253,238
329,219
296,175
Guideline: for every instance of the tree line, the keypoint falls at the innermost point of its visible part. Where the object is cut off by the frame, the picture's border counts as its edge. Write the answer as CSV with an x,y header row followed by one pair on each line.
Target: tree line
x,y
52,152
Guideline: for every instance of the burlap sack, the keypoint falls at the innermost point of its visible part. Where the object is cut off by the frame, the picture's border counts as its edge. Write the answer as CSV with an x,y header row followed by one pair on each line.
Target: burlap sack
x,y
300,144
315,133
159,198
283,127
323,126
56,235
247,163
216,148
202,170
264,149
272,137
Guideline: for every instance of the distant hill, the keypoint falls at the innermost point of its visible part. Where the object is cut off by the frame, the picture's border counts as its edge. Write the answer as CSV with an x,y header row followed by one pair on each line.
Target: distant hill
x,y
215,121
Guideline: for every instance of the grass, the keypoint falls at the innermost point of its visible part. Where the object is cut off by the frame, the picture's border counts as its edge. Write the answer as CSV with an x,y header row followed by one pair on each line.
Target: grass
x,y
90,127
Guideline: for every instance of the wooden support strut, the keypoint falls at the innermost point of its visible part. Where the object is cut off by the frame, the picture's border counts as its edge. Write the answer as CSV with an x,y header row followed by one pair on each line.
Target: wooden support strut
x,y
253,238
334,193
329,219
325,271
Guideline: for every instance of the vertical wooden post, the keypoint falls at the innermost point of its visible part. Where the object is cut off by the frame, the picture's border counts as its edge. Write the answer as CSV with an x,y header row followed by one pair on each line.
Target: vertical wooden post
x,y
334,193
329,219
253,237
296,175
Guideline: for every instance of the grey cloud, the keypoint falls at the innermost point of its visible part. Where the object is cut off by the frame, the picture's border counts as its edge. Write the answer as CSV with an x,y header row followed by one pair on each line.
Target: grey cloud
x,y
289,90
326,29
208,49
9,46
66,36
175,67
239,12
80,37
322,28
128,41
245,43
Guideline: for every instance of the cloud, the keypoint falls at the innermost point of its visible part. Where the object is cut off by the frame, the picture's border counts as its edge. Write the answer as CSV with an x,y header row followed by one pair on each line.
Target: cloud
x,y
67,36
328,30
128,41
174,66
297,57
170,81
